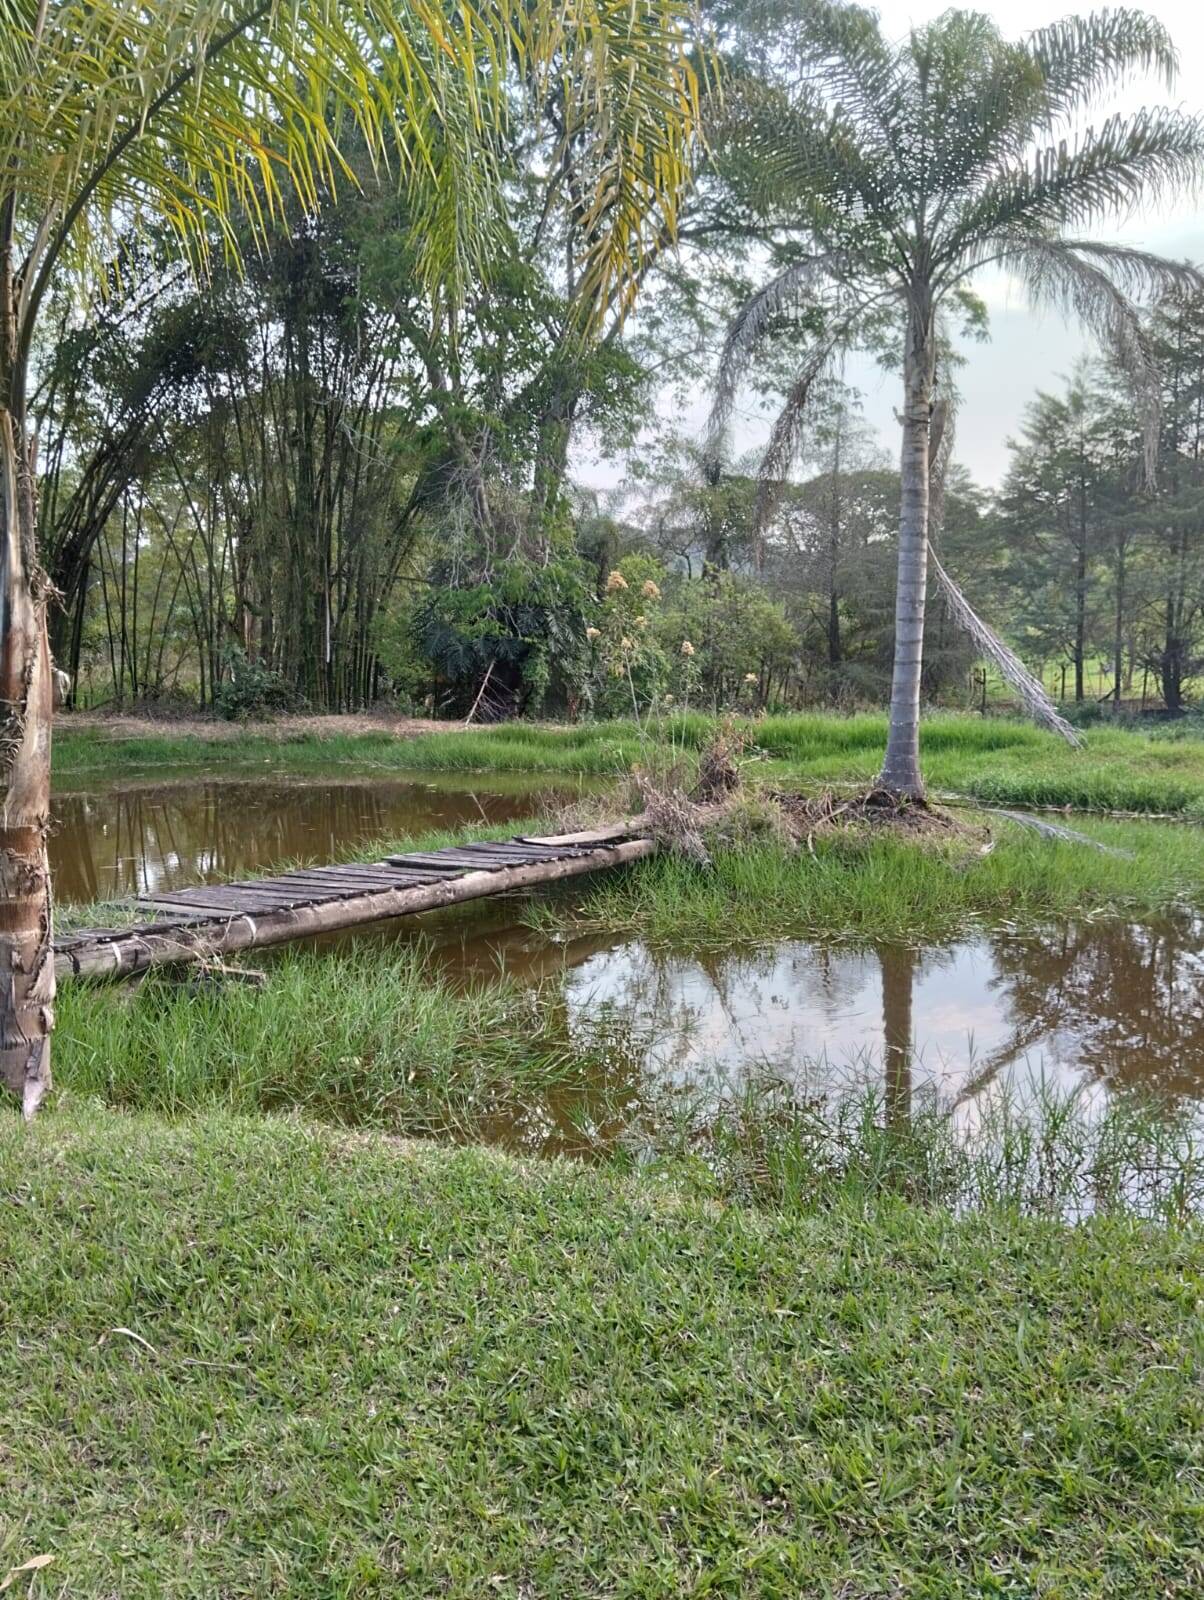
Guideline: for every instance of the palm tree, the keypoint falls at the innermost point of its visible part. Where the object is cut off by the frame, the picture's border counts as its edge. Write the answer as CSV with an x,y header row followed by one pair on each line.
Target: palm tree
x,y
893,174
191,116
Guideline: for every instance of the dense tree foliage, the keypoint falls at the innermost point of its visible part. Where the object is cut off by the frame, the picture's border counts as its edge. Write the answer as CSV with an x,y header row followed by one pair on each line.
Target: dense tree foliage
x,y
311,479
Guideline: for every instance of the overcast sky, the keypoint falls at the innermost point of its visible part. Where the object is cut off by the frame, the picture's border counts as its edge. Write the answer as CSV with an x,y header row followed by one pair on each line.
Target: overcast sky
x,y
1025,352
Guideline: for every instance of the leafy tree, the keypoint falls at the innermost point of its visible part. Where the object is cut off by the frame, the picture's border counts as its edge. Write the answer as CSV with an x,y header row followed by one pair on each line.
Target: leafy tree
x,y
189,113
1177,515
1058,499
741,641
892,174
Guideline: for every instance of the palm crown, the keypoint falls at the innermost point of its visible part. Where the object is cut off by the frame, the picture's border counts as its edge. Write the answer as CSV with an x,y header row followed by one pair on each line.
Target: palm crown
x,y
896,172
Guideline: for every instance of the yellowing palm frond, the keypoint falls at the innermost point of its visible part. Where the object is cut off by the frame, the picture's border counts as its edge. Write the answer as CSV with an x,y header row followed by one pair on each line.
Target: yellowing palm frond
x,y
198,113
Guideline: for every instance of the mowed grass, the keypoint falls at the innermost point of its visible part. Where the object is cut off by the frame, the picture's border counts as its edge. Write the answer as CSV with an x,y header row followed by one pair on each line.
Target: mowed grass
x,y
993,760
251,1358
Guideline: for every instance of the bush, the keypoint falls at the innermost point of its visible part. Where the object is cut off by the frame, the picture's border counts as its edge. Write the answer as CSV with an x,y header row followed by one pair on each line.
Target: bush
x,y
249,689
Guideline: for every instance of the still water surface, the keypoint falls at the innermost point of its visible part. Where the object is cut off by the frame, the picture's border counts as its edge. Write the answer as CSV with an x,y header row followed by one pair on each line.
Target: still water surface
x,y
1101,1006
115,840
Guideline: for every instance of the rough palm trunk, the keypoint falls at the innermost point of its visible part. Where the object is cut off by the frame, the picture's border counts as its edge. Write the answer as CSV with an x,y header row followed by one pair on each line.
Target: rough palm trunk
x,y
26,690
900,774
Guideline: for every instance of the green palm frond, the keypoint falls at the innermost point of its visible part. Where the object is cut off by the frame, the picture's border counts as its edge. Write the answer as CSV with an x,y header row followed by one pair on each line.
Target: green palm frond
x,y
802,157
631,103
197,115
1097,284
1081,58
860,72
1131,160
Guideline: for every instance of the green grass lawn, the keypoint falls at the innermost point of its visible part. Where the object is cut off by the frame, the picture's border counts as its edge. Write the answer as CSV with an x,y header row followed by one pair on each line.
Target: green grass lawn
x,y
375,1369
260,1345
994,760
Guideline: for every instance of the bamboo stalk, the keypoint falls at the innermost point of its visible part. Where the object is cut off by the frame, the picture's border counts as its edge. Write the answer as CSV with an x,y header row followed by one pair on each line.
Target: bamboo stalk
x,y
149,947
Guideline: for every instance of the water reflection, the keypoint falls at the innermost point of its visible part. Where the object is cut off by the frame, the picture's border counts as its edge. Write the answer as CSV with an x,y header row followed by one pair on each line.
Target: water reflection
x,y
141,837
898,963
1120,1006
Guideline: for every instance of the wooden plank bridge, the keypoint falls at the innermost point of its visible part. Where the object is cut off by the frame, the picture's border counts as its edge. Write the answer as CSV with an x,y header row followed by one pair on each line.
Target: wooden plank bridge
x,y
212,920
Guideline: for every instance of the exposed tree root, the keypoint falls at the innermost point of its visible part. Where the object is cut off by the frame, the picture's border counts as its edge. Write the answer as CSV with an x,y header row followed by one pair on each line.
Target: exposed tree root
x,y
876,810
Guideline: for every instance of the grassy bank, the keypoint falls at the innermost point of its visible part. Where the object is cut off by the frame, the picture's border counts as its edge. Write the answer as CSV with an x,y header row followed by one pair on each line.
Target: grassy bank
x,y
892,888
996,761
258,1359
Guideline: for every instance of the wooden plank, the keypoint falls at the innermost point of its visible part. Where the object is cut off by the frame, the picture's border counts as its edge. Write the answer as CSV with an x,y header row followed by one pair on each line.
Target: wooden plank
x,y
215,902
381,871
66,938
352,871
185,917
313,883
316,882
215,894
66,941
429,863
516,850
261,889
630,828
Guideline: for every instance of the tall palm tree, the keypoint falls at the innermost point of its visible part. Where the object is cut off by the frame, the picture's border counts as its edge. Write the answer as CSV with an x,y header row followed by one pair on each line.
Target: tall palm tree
x,y
894,173
187,115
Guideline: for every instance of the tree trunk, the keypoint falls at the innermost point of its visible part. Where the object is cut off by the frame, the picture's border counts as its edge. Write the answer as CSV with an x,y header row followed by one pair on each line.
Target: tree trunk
x,y
26,691
1118,641
834,520
900,774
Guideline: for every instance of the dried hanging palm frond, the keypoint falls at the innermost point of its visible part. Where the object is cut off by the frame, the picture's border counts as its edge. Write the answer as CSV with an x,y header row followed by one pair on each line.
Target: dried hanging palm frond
x,y
1054,830
1013,671
1034,698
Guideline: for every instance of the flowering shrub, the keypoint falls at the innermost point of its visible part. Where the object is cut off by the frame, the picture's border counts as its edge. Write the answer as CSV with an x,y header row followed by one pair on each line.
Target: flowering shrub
x,y
629,667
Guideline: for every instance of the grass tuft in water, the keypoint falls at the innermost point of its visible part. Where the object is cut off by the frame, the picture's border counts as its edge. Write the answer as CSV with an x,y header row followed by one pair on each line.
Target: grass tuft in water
x,y
1030,1149
888,888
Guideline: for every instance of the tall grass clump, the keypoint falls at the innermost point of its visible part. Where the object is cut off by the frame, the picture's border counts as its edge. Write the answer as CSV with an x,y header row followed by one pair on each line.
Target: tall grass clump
x,y
357,1037
886,887
1030,1149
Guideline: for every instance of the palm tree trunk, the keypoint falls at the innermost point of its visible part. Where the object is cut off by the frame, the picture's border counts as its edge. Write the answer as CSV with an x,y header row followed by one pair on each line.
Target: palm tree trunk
x,y
900,773
26,701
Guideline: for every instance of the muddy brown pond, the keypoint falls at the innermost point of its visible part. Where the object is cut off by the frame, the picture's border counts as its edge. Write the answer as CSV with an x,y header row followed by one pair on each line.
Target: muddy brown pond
x,y
1095,1008
115,840
1098,1006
